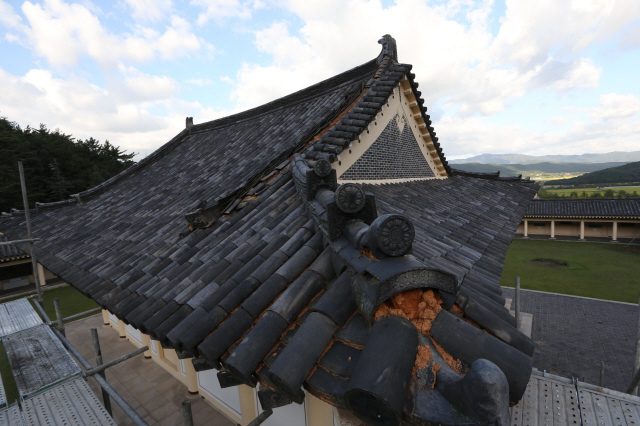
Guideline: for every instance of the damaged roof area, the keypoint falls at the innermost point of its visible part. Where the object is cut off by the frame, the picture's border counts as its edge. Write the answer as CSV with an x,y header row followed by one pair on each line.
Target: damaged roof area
x,y
238,245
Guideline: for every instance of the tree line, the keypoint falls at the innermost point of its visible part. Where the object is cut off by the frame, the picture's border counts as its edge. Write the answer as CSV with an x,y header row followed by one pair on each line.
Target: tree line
x,y
56,165
608,193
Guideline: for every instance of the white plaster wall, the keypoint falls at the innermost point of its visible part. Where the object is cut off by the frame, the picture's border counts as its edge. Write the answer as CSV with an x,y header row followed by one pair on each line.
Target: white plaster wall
x,y
229,397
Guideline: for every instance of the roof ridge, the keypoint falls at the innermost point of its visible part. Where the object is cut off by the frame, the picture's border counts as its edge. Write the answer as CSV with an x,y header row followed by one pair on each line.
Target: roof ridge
x,y
294,98
303,95
491,176
378,90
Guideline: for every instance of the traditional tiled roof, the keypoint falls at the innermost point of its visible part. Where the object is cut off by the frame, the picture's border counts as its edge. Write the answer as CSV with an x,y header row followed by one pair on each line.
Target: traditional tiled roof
x,y
282,277
628,208
9,252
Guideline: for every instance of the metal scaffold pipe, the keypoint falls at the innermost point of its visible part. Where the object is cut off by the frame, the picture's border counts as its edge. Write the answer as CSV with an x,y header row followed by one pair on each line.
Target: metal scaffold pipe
x,y
187,414
32,253
56,305
517,302
81,314
101,368
129,411
96,346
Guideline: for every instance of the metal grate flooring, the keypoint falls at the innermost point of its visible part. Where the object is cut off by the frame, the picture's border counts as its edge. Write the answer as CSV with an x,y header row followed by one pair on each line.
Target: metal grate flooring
x,y
605,410
70,404
11,416
17,316
38,359
553,400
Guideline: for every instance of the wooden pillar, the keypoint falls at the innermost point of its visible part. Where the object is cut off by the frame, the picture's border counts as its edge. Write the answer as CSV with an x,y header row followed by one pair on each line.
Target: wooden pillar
x,y
248,403
192,376
553,229
526,228
42,279
121,330
146,341
615,231
581,230
105,317
319,413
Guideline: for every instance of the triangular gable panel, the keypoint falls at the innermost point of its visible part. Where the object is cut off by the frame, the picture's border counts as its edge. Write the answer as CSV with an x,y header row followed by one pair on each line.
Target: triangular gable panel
x,y
395,147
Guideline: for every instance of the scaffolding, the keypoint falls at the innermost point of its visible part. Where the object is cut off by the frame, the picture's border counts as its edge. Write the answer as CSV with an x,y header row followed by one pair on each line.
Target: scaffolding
x,y
52,388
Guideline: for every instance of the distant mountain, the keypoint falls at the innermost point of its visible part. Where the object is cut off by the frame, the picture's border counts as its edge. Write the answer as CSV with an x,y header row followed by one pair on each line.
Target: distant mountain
x,y
621,174
536,168
608,157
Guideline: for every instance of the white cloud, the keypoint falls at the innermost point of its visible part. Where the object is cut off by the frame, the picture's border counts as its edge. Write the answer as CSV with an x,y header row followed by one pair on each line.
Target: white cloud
x,y
85,110
531,30
582,74
200,81
221,10
138,86
559,120
456,58
615,106
631,38
468,136
8,17
149,10
62,33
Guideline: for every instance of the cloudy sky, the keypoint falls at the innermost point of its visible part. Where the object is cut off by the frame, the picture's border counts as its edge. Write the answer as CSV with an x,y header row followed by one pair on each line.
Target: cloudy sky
x,y
514,76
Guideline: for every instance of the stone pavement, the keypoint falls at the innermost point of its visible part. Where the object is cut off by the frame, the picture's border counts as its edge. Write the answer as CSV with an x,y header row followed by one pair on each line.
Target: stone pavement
x,y
573,334
155,394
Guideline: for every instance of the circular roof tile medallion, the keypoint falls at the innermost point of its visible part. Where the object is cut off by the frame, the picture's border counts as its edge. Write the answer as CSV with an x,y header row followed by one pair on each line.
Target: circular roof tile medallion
x,y
350,197
322,168
395,235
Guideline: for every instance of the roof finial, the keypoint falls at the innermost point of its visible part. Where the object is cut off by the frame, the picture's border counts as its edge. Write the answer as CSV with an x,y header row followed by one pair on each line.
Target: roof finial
x,y
388,48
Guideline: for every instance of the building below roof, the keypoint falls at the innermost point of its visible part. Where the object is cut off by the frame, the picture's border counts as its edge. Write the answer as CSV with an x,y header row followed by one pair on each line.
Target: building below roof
x,y
612,219
9,252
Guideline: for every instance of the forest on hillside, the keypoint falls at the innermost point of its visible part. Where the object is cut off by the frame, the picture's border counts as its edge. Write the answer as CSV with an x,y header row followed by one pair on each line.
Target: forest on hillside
x,y
532,168
628,173
56,165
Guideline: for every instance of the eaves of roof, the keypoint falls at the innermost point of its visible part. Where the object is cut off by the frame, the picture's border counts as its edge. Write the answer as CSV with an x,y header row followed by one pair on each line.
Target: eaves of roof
x,y
618,208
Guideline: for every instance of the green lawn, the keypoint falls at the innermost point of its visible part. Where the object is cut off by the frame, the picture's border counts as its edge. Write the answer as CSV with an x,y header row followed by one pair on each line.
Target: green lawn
x,y
71,302
603,271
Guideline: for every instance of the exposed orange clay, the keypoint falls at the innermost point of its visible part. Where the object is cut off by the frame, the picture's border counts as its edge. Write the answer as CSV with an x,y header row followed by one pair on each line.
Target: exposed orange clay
x,y
456,309
353,345
418,306
408,302
339,117
382,311
367,253
421,307
424,360
423,357
455,364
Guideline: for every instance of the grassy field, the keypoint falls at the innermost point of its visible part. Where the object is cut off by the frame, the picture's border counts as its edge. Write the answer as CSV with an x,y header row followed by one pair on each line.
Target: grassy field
x,y
71,302
568,191
603,271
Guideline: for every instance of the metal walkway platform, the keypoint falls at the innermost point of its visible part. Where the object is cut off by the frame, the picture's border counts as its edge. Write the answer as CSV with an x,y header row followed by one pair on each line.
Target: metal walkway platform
x,y
38,359
17,316
11,416
553,400
70,404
